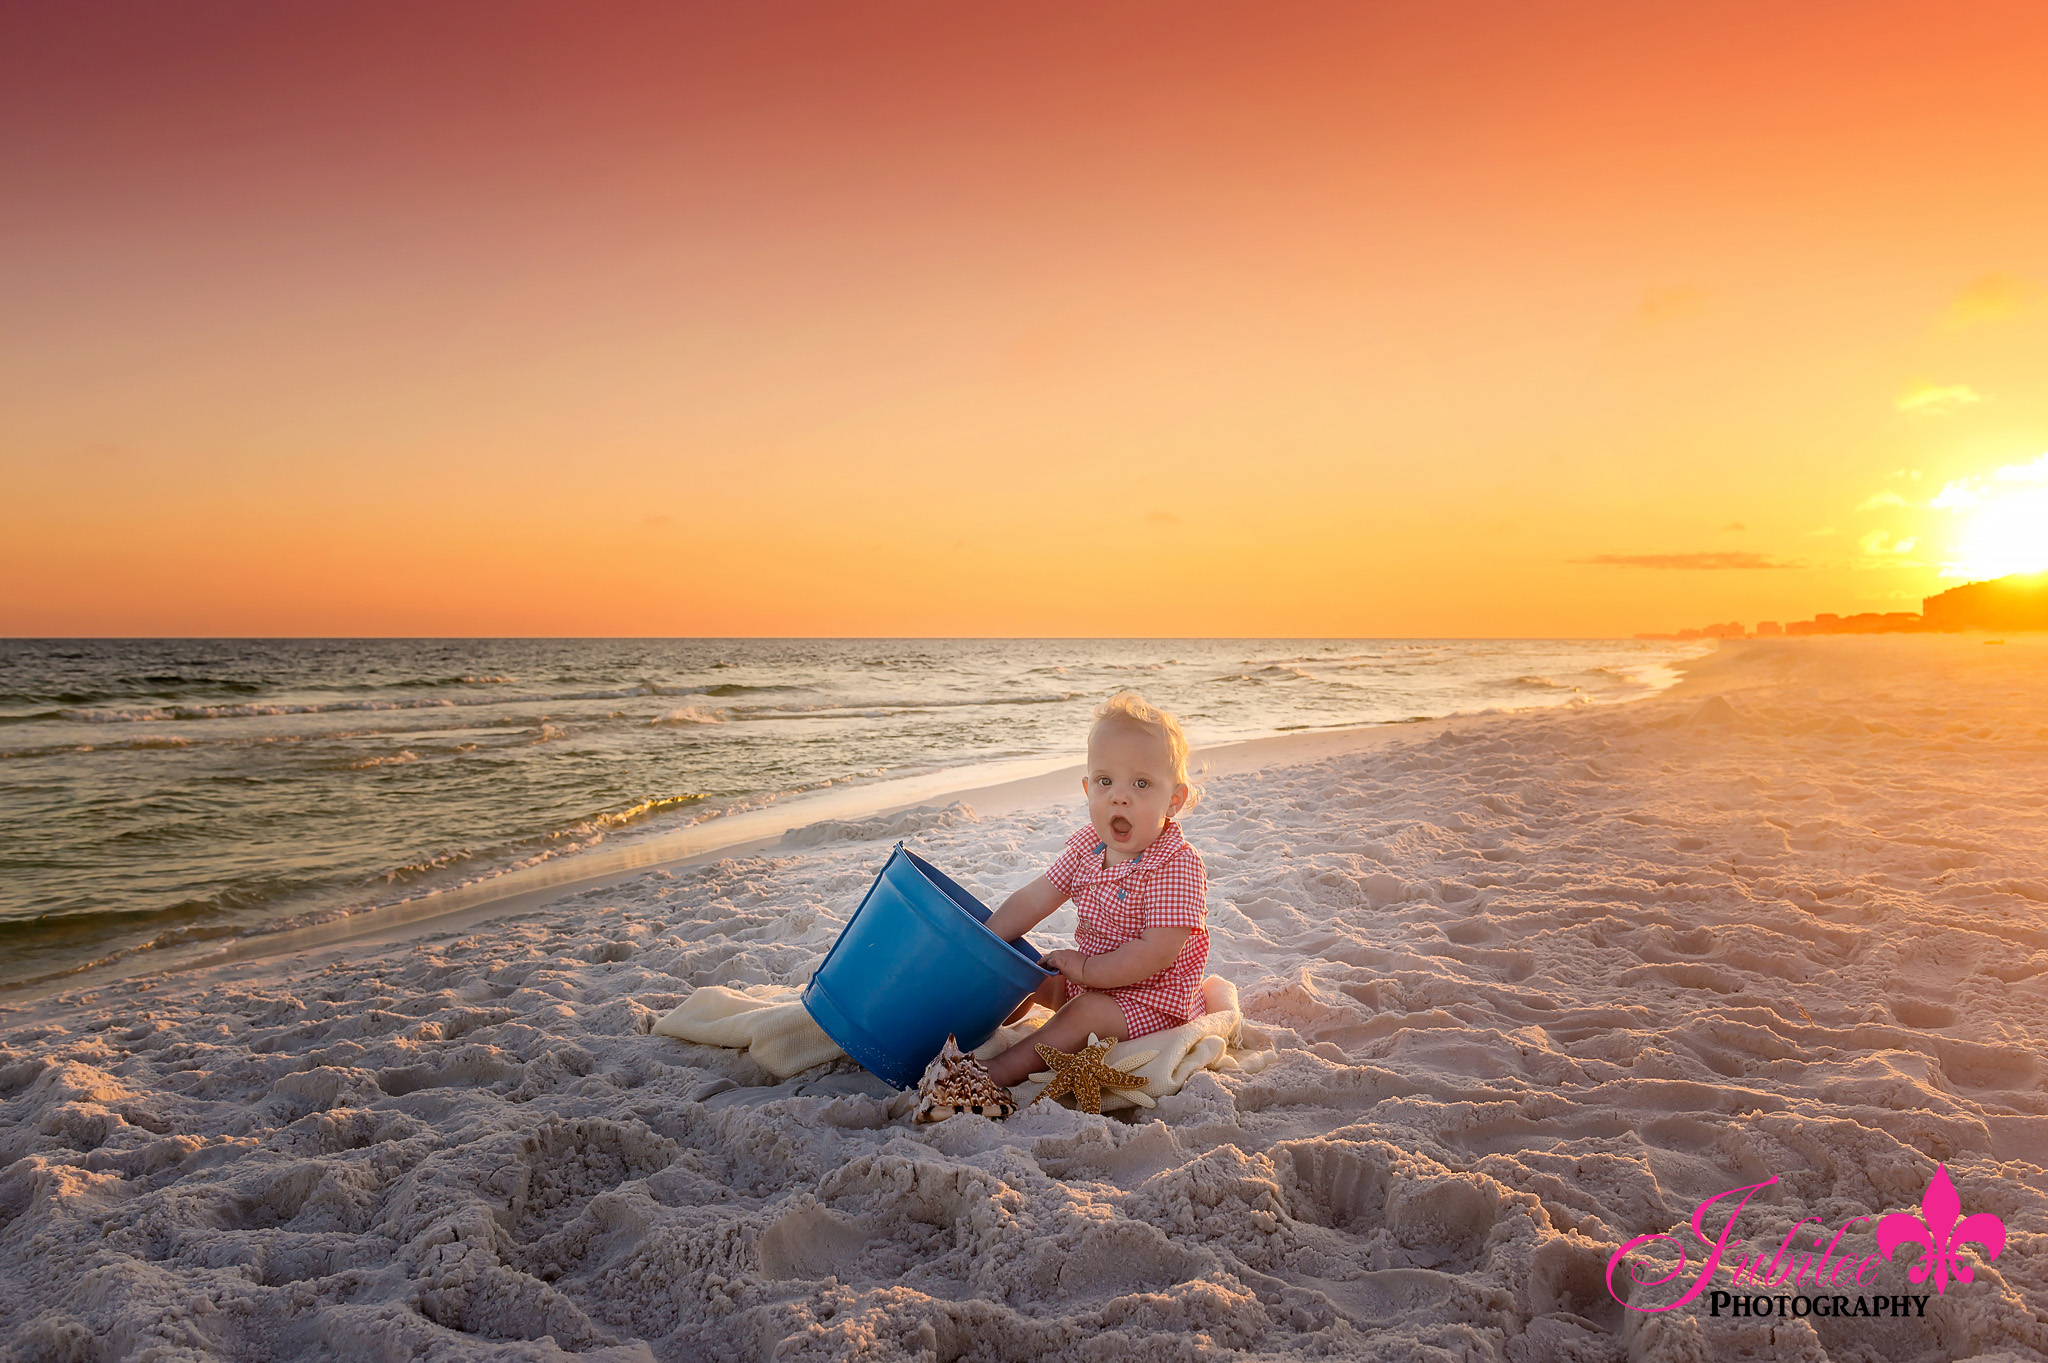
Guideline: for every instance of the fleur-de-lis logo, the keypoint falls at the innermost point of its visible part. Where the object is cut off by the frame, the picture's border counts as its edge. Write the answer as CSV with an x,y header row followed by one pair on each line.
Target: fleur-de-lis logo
x,y
1939,1234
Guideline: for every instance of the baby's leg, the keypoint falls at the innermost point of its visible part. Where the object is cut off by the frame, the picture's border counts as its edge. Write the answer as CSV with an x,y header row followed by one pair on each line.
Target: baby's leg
x,y
1067,1031
1051,992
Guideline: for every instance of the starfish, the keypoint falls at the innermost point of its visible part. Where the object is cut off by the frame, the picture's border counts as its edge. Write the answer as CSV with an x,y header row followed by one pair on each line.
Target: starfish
x,y
1085,1076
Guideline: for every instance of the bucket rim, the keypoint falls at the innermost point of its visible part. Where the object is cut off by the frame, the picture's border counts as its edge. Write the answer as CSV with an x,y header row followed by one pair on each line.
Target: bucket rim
x,y
927,871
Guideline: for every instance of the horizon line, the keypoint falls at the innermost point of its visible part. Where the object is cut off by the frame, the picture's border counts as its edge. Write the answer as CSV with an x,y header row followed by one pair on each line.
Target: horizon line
x,y
814,638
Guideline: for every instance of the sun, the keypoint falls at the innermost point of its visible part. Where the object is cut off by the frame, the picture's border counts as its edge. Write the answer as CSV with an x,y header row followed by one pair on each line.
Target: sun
x,y
2009,535
2004,525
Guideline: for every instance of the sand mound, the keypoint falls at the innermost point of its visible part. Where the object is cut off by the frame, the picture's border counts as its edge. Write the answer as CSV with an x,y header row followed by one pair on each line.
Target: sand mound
x,y
1538,986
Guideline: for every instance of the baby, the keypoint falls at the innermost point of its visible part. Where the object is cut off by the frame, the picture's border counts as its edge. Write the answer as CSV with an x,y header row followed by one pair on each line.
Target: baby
x,y
1138,888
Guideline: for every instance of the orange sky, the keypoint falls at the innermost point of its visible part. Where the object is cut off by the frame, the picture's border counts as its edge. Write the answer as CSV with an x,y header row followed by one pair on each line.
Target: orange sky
x,y
1173,319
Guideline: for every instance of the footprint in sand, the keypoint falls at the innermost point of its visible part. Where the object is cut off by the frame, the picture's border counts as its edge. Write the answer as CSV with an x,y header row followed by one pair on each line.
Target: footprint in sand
x,y
1341,1185
1472,932
1442,1224
1118,1259
1570,1276
470,1067
1924,1017
565,1164
811,1244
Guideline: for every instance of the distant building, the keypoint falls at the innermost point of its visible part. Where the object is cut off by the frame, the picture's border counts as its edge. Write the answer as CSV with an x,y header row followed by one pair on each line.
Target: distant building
x,y
2015,602
2018,601
1868,622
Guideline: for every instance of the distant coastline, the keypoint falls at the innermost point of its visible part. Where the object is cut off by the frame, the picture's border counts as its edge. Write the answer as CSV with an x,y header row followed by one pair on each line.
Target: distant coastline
x,y
2016,602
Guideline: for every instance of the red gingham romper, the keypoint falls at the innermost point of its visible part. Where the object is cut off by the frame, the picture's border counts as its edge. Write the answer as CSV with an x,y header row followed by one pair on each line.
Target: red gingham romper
x,y
1167,887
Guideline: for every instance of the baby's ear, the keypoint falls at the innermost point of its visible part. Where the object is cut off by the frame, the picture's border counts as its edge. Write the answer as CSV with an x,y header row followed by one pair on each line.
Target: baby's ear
x,y
1180,797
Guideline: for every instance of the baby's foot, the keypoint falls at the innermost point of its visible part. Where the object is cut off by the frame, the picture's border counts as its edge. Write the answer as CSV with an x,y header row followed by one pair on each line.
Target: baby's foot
x,y
955,1083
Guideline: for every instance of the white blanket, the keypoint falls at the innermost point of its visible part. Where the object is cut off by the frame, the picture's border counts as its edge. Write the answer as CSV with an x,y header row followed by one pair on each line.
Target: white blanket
x,y
770,1024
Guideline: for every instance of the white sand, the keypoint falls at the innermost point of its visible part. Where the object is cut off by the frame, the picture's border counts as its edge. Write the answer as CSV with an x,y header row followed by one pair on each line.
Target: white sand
x,y
1539,985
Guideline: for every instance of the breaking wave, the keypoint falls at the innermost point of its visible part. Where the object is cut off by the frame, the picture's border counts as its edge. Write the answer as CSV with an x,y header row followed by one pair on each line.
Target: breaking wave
x,y
689,714
394,760
155,714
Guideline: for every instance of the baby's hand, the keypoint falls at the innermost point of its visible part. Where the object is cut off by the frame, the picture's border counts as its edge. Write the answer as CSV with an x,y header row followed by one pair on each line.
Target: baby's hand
x,y
1068,963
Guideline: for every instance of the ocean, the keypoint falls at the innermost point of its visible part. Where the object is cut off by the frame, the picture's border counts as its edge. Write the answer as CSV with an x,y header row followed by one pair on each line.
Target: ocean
x,y
160,795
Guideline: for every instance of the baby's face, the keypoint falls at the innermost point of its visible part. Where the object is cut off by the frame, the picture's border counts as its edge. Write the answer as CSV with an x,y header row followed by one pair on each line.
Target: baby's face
x,y
1131,791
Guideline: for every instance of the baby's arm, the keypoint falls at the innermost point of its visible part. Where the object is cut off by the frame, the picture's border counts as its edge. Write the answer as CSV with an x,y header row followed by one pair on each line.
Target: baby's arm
x,y
1151,953
1026,909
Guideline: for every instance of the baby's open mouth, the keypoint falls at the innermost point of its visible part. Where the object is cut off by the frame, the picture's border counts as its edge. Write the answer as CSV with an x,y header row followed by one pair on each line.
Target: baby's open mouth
x,y
1121,827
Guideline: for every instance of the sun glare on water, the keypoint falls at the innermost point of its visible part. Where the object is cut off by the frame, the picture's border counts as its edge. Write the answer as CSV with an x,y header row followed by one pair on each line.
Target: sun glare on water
x,y
2004,522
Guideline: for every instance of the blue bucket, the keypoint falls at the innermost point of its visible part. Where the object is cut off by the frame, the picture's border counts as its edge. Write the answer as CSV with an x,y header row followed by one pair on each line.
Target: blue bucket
x,y
914,965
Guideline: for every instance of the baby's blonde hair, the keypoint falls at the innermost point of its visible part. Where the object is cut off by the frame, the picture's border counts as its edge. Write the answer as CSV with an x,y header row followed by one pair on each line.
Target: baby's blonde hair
x,y
1129,705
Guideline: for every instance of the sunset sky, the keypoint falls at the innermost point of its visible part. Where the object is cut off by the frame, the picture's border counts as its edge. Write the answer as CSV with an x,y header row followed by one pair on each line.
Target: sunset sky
x,y
1106,319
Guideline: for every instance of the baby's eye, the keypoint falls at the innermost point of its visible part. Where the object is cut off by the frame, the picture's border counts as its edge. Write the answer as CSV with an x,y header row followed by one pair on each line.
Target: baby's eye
x,y
1102,780
1141,783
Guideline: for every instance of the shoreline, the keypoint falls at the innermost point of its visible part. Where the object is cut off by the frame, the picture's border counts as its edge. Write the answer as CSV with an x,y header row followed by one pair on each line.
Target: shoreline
x,y
751,831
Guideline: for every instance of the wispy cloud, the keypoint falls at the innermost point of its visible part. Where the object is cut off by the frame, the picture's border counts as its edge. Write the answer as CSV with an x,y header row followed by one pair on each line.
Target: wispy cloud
x,y
1989,298
1733,527
1937,399
1965,494
1881,499
1881,542
1686,561
1157,517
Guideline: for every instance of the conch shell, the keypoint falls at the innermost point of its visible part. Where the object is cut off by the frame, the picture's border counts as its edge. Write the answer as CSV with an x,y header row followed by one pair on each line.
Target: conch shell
x,y
956,1083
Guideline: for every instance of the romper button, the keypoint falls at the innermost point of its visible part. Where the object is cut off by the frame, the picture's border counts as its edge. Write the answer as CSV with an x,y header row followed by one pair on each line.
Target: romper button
x,y
1119,894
